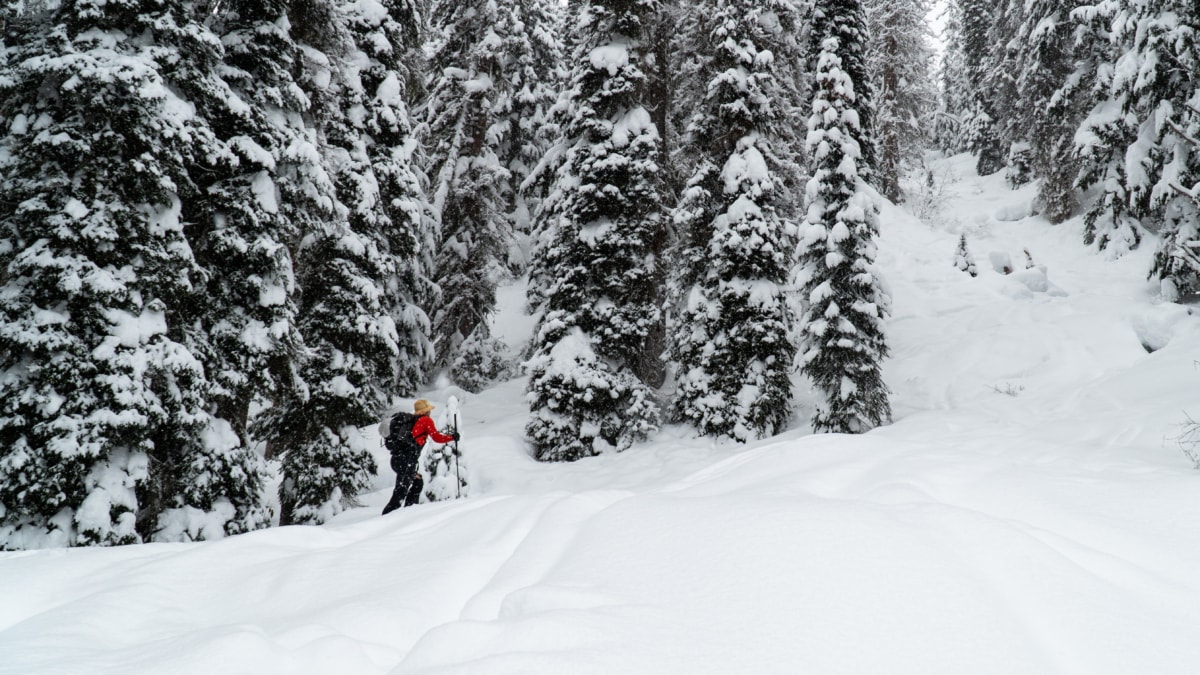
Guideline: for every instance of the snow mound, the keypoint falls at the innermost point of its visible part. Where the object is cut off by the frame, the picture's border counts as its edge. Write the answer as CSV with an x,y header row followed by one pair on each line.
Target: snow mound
x,y
1156,326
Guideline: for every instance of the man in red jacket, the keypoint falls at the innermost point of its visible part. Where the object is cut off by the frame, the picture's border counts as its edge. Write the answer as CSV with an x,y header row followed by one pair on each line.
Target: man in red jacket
x,y
408,475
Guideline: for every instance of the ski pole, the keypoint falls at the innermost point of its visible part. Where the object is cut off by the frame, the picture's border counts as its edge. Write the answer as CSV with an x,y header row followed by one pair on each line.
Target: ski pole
x,y
457,474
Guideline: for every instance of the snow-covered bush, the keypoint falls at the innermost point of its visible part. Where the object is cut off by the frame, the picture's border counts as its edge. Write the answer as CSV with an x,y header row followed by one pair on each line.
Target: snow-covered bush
x,y
1019,169
927,189
1001,262
444,472
581,406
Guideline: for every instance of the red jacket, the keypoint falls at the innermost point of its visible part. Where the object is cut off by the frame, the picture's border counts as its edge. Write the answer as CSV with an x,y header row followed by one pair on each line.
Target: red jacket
x,y
423,428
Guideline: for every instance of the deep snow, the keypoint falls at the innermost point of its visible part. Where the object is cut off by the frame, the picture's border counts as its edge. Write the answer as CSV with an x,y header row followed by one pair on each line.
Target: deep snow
x,y
1027,512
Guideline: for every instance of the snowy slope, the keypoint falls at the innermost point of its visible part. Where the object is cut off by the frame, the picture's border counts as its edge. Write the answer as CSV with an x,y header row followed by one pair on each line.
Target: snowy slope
x,y
1026,513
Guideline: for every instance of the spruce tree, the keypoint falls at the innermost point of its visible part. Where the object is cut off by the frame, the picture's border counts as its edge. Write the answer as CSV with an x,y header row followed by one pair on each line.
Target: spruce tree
x,y
386,67
1116,123
1043,60
106,435
845,305
999,77
963,260
469,96
242,236
980,133
535,70
948,132
1168,46
846,21
731,329
343,379
899,60
604,239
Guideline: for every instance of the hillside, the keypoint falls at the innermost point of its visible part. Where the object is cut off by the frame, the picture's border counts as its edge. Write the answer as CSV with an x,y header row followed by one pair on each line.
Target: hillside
x,y
1027,512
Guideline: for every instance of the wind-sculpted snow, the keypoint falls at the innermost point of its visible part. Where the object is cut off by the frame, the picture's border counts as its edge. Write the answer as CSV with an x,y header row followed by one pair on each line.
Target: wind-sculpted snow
x,y
824,554
1027,512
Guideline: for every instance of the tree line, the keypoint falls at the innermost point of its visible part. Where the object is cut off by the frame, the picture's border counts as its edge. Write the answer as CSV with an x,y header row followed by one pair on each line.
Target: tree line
x,y
1097,101
232,230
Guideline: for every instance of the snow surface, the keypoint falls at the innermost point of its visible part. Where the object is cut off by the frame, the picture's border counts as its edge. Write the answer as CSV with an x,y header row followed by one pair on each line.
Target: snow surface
x,y
1027,512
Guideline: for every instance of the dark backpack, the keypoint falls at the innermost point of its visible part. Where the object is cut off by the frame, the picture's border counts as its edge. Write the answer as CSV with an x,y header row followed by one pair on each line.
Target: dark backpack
x,y
399,439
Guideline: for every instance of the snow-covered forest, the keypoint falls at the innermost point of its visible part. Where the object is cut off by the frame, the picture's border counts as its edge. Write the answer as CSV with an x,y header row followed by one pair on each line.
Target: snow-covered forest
x,y
804,286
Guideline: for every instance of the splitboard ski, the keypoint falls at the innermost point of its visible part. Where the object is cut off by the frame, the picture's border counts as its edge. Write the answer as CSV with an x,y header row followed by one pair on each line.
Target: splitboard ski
x,y
446,474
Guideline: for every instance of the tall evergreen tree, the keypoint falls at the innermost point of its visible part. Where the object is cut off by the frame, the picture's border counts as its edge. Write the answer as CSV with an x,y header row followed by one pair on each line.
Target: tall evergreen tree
x,y
998,77
1116,123
948,132
605,236
470,96
731,332
241,234
1177,260
106,436
1167,44
668,102
899,60
1043,61
342,380
845,304
534,65
847,23
980,134
394,202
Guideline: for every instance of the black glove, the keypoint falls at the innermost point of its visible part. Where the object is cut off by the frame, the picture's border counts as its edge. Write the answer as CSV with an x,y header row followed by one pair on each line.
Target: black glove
x,y
454,435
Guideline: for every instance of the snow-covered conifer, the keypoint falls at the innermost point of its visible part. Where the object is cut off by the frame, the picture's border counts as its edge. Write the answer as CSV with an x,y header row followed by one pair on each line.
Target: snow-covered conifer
x,y
444,471
1043,60
1120,140
842,330
535,68
243,238
387,43
481,361
846,21
106,434
342,379
899,60
469,97
963,260
730,334
603,243
1168,42
999,79
952,80
979,126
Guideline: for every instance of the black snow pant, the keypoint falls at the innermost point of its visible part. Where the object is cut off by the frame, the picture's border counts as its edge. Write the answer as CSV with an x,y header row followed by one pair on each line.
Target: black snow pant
x,y
408,482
